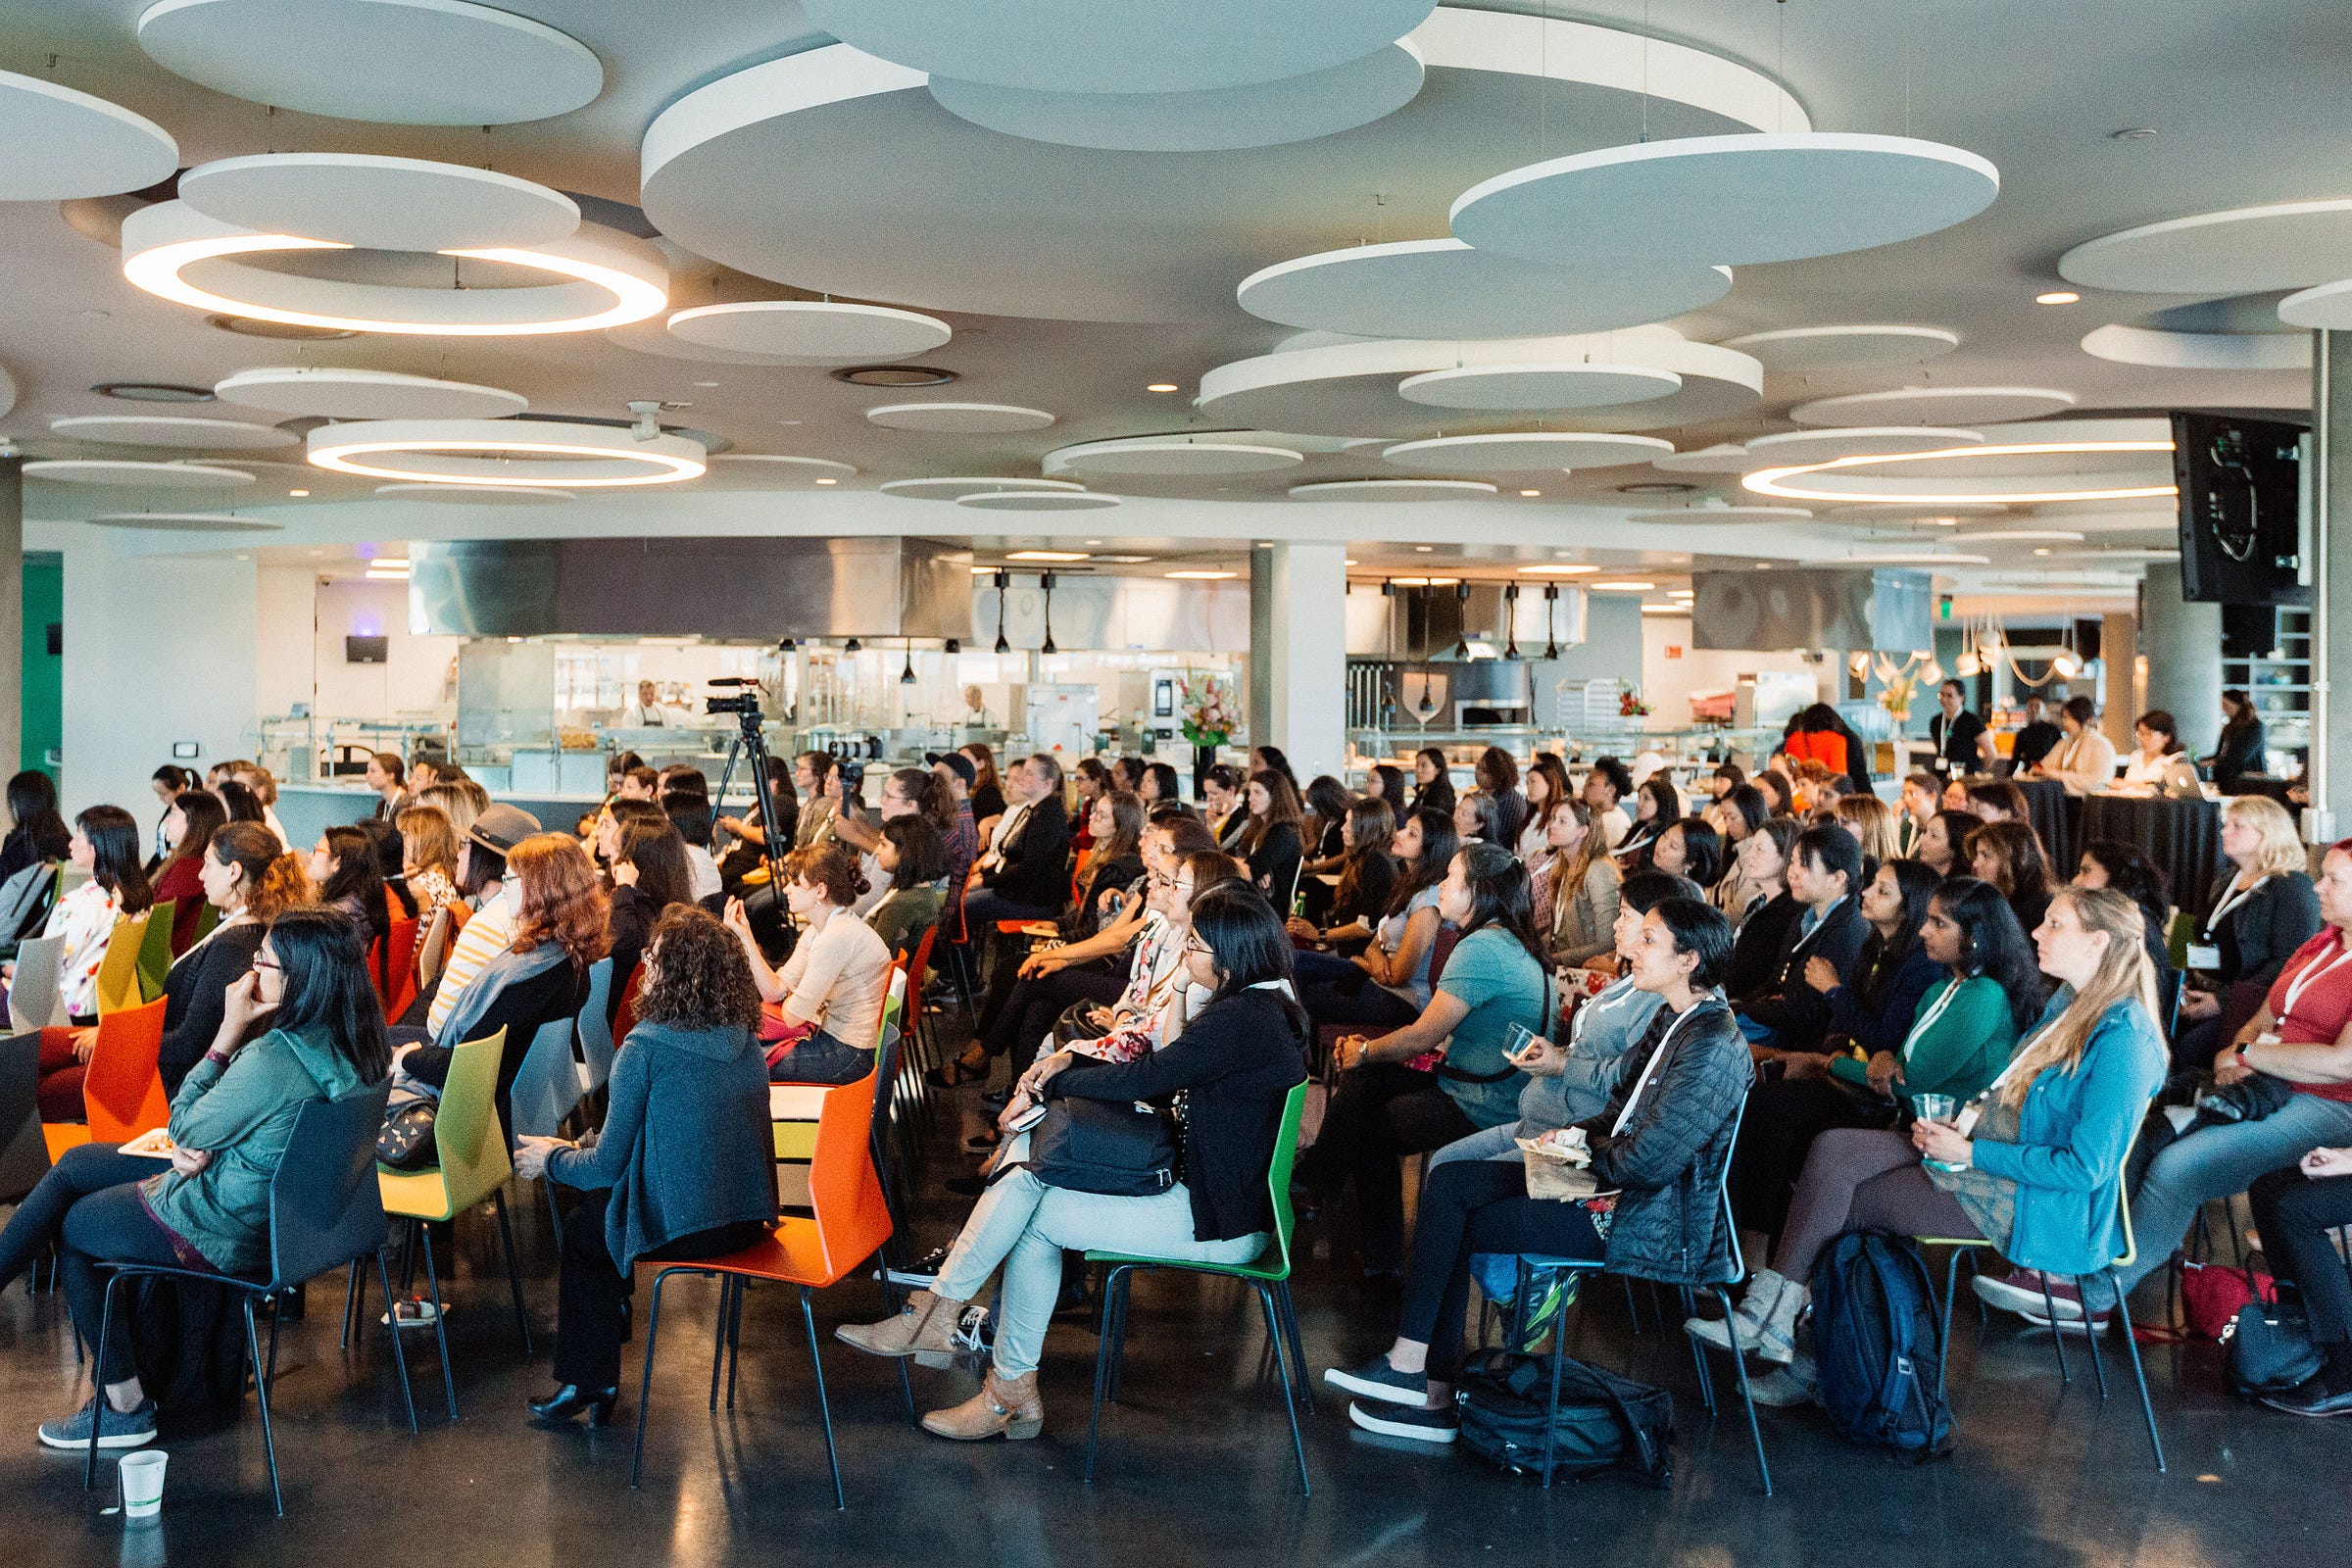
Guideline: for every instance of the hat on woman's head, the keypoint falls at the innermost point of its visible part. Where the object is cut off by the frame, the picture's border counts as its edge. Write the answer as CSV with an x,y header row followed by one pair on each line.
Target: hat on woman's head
x,y
501,827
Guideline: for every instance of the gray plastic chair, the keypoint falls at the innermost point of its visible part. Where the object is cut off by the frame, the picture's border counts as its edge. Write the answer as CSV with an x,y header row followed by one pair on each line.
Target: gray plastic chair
x,y
24,1151
547,1091
33,999
597,1046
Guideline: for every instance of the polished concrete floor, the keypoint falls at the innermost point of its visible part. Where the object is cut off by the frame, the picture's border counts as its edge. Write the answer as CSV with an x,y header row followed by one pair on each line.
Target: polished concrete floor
x,y
1197,1464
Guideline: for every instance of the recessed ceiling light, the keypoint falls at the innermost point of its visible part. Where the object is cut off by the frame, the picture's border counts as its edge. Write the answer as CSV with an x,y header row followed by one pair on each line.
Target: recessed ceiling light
x,y
2136,134
153,392
1557,572
297,492
1423,549
1664,610
1049,555
1162,387
828,480
894,375
1623,587
984,571
1425,582
387,576
401,562
1205,576
2042,551
2057,296
1093,541
1348,563
1531,492
705,383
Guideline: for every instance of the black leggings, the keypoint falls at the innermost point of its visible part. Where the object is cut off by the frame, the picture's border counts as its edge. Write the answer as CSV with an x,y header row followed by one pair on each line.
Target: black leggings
x,y
1032,1006
1333,990
591,1289
2294,1213
1377,1115
90,1205
1784,1117
1477,1206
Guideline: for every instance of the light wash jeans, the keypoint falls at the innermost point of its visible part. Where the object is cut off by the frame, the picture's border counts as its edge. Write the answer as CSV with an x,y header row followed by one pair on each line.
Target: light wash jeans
x,y
1024,1225
1490,1143
2220,1162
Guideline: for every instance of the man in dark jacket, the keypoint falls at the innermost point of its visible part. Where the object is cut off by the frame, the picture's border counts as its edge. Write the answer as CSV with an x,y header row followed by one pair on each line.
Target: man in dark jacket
x,y
1025,874
1826,872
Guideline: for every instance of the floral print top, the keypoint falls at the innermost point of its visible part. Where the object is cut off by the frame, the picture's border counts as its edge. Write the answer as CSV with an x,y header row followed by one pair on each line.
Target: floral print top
x,y
85,917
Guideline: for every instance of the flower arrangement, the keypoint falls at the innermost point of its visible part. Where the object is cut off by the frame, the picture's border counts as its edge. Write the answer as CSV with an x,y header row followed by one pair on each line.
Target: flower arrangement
x,y
1207,712
1895,697
1631,705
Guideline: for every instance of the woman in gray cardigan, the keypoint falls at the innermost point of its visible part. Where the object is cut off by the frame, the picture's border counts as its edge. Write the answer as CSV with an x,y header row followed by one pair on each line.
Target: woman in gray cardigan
x,y
683,1168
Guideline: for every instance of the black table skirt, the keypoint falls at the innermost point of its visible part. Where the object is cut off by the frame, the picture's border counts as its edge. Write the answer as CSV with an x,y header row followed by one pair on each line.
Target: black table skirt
x,y
2053,816
2183,837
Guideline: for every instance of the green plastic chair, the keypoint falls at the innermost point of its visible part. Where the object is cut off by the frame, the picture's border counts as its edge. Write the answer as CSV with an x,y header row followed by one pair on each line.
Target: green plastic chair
x,y
207,916
155,949
1270,1275
474,1166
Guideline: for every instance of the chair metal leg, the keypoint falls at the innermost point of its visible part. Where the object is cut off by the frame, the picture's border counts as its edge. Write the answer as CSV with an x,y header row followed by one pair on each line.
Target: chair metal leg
x,y
1106,1340
1951,1287
825,1406
1118,1339
400,1352
105,1324
735,1337
1632,1310
1290,1328
432,1276
1290,1404
2057,1335
2138,1376
1749,1399
351,1302
1698,1353
505,1236
906,1391
718,1334
555,1213
276,1305
1551,1410
645,1381
2090,1334
261,1389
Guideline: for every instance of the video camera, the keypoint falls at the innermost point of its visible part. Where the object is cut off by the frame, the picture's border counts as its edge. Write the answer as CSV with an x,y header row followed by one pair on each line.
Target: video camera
x,y
745,703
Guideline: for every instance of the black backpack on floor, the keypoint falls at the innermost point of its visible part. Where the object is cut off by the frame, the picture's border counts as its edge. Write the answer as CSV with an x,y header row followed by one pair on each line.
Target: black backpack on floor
x,y
1877,1345
1604,1421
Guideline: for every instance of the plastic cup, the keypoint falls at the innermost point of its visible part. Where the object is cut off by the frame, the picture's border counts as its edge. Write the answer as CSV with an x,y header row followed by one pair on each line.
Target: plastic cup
x,y
1520,1038
1934,1108
142,1478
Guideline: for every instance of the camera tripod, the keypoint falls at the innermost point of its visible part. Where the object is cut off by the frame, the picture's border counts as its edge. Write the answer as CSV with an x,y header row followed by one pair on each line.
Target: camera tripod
x,y
750,743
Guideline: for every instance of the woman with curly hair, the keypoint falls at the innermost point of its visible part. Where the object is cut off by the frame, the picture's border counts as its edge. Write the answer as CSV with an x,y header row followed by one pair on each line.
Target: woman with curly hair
x,y
683,1168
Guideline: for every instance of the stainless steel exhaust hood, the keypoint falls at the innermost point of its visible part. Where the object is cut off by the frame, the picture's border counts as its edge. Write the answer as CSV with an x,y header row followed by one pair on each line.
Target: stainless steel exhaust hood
x,y
1841,608
738,589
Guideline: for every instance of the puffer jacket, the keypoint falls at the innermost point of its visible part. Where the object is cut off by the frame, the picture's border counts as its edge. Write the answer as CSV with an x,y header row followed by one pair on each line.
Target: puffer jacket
x,y
1670,1158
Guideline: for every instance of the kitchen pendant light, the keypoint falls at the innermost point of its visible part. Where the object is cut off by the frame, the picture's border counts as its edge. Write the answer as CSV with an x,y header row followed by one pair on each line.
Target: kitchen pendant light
x,y
1462,631
1004,580
907,675
1045,580
1510,619
1551,641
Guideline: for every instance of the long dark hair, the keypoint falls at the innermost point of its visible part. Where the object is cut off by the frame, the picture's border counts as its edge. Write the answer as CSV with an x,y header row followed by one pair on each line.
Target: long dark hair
x,y
657,850
204,815
1392,790
325,962
1499,896
1248,944
2018,849
1282,806
1438,847
2136,877
1163,776
1375,831
1777,782
1882,956
114,860
32,807
1749,800
1702,850
242,804
1994,944
1489,811
356,876
922,853
1438,790
1327,802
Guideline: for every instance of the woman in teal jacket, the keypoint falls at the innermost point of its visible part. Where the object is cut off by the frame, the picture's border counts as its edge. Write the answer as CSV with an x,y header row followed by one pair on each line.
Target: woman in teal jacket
x,y
2036,1172
302,1025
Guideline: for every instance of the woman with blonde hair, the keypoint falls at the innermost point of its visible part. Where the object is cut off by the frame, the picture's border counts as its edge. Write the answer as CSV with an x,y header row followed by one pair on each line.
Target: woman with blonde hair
x,y
428,858
460,801
2035,1165
1871,824
1583,887
2262,906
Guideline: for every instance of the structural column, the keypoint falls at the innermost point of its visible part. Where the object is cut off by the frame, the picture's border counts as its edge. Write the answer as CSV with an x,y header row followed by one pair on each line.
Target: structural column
x,y
1299,653
2331,776
12,612
2180,643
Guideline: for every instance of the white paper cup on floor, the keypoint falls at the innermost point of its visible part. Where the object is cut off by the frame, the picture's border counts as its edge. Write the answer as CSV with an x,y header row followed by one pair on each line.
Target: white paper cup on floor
x,y
142,1478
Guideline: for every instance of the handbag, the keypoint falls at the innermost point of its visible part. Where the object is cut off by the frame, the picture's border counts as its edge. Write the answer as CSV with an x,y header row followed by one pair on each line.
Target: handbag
x,y
1119,1149
2269,1348
405,1143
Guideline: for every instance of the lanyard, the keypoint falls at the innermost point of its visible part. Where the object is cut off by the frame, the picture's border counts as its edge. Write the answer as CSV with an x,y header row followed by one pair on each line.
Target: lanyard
x,y
1934,1011
1643,1083
2311,975
2230,901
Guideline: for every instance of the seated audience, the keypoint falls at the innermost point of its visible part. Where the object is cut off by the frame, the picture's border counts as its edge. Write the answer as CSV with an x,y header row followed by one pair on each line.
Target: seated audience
x,y
1235,1063
2159,748
1779,797
1689,847
1366,876
649,874
2035,738
1386,784
264,785
2085,760
481,875
1943,845
1657,1144
1583,886
1269,845
1606,784
1657,807
1497,774
2241,746
915,859
684,1166
1786,1016
690,815
302,1024
1024,873
2046,1194
344,871
2127,868
1547,785
429,859
1385,1107
1737,817
1871,824
251,884
1768,920
1922,798
1432,782
1221,798
37,833
189,824
1997,799
1477,819
830,993
105,844
988,792
2008,855
1386,985
1326,802
2295,1208
2262,907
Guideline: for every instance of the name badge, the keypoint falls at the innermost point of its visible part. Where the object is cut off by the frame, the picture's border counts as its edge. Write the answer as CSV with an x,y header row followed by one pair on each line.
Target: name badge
x,y
2204,955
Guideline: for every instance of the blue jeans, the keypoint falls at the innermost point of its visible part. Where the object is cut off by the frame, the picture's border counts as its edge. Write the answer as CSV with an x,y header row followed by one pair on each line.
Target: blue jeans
x,y
822,1059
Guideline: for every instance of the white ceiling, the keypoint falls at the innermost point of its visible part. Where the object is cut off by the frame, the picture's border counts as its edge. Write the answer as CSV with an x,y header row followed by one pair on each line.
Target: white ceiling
x,y
2246,103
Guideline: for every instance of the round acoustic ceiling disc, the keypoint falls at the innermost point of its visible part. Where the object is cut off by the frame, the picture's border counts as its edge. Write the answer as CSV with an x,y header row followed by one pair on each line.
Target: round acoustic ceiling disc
x,y
955,489
1133,46
1525,452
1392,490
184,522
1580,384
777,464
1739,199
2244,250
389,204
811,331
1793,348
2199,351
1037,501
329,393
475,494
1935,406
1256,113
164,430
57,144
2327,308
1813,446
1443,288
1721,512
2017,537
505,452
393,62
1723,457
2120,554
1937,512
1170,455
958,418
128,474
1899,558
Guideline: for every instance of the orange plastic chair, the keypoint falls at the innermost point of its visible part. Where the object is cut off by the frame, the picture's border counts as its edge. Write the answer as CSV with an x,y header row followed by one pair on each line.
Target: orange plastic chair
x,y
392,963
850,1224
121,1094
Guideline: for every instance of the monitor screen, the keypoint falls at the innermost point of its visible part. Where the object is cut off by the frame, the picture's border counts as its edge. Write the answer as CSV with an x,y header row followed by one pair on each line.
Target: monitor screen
x,y
2241,524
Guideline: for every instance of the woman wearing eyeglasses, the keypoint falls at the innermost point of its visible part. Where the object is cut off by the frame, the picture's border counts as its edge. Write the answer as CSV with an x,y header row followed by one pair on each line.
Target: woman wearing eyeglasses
x,y
302,1024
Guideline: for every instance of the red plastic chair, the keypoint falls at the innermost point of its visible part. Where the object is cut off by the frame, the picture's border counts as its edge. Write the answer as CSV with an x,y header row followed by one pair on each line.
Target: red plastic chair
x,y
624,1015
913,1023
850,1223
121,1094
1441,947
392,963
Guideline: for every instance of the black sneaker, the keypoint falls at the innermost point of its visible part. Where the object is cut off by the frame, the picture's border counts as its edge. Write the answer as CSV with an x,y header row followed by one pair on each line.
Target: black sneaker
x,y
923,1273
120,1429
1403,1421
1377,1380
2312,1398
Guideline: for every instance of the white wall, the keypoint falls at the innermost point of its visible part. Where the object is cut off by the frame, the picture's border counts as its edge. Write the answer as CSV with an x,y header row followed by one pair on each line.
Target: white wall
x,y
417,676
1667,682
156,649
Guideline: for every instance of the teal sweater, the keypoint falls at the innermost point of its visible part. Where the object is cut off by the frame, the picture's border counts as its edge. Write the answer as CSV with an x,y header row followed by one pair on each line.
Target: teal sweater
x,y
1961,1051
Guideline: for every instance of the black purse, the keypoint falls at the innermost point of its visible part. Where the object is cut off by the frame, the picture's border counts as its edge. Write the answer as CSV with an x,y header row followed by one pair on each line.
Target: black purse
x,y
406,1141
1119,1149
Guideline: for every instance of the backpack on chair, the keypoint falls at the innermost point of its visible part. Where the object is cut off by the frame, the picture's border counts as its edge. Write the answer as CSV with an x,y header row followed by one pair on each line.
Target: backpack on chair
x,y
1876,1344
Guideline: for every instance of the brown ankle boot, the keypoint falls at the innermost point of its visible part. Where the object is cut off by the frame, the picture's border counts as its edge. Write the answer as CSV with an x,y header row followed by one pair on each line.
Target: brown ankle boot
x,y
927,1322
1009,1405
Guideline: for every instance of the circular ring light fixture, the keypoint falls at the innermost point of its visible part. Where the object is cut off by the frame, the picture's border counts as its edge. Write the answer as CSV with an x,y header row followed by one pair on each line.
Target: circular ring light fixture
x,y
958,418
1796,350
1443,289
609,278
378,203
129,474
1170,455
392,62
1392,490
2012,491
955,489
824,470
165,431
1027,500
505,453
1525,452
480,495
329,393
1736,200
1568,384
57,144
184,522
2201,350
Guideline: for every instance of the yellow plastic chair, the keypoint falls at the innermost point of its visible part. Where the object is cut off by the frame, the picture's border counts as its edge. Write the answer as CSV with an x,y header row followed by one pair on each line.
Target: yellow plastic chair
x,y
473,1165
118,984
155,949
